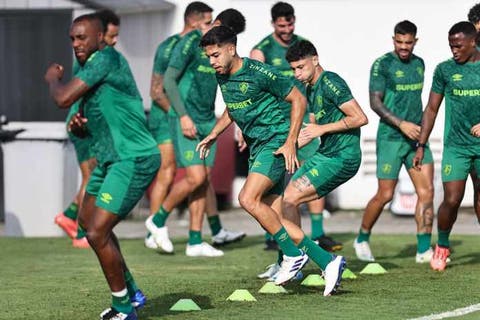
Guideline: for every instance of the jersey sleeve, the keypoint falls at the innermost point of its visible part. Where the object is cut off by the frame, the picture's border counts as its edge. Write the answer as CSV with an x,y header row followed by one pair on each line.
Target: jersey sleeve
x,y
438,82
277,84
162,56
183,52
378,79
336,89
97,67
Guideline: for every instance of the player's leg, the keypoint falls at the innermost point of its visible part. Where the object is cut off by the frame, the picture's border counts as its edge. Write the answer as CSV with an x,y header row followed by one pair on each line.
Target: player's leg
x,y
316,209
476,191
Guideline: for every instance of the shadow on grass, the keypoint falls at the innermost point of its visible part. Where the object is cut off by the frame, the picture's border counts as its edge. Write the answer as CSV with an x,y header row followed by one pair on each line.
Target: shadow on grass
x,y
160,306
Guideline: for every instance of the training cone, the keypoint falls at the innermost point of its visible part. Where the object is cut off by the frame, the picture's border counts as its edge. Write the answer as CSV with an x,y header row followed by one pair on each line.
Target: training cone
x,y
241,295
185,305
373,268
348,274
313,280
270,287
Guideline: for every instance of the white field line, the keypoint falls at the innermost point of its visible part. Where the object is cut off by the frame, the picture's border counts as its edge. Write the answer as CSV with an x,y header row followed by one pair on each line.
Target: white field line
x,y
450,314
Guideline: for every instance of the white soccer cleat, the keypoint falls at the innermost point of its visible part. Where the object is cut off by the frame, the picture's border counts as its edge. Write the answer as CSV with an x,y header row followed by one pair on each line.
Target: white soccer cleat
x,y
202,250
362,250
290,267
159,235
333,275
424,257
227,236
271,271
150,242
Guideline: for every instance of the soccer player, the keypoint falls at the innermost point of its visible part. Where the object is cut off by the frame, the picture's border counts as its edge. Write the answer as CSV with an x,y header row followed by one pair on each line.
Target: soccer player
x,y
251,91
271,50
458,81
127,157
396,83
338,120
67,219
190,85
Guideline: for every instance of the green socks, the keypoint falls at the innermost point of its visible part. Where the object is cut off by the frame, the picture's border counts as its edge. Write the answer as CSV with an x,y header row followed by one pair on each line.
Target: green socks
x,y
315,252
72,211
215,224
443,236
194,237
121,301
131,284
423,242
160,217
81,233
286,244
363,236
317,225
280,257
268,236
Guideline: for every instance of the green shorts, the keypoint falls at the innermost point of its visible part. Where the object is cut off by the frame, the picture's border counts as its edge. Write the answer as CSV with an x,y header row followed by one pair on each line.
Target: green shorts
x,y
325,173
457,162
185,154
392,154
308,150
119,185
263,161
158,125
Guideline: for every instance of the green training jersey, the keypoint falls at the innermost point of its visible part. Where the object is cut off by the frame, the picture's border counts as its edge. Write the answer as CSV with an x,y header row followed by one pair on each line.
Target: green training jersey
x,y
114,108
251,96
460,85
401,84
197,83
325,97
74,108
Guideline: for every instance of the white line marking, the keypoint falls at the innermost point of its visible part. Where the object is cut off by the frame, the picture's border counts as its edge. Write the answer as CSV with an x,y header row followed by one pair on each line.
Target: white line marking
x,y
450,314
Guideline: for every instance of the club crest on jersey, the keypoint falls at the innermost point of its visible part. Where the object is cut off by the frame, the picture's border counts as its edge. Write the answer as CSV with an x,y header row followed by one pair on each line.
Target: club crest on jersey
x,y
106,197
243,86
457,77
223,88
447,169
399,74
387,168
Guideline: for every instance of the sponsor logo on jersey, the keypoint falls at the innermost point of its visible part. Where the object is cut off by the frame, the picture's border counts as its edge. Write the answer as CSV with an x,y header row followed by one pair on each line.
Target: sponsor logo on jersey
x,y
466,92
239,105
320,114
409,86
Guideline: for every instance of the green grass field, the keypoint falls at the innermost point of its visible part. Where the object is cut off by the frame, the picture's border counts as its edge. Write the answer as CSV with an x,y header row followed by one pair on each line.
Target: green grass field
x,y
48,279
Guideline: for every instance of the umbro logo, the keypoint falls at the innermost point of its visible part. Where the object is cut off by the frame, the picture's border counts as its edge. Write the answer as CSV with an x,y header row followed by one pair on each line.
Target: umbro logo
x,y
457,77
399,74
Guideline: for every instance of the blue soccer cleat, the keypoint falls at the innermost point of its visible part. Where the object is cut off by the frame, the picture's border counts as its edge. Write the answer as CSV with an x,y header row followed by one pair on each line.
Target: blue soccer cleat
x,y
138,300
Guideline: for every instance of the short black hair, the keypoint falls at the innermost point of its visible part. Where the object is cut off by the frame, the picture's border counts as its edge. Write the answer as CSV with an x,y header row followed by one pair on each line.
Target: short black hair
x,y
108,17
465,27
196,7
300,50
233,19
93,18
282,9
405,27
474,14
219,35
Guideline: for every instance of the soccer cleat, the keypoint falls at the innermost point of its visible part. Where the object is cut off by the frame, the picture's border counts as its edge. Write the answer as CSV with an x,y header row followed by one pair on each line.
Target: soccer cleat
x,y
81,243
112,314
271,244
439,259
138,300
424,257
290,267
202,250
226,236
68,225
271,271
160,235
328,244
333,275
362,250
150,242
298,277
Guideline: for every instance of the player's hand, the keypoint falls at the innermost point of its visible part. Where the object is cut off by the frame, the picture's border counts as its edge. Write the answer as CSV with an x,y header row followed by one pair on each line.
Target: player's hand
x,y
289,152
411,130
242,145
77,126
54,72
188,127
475,131
204,146
417,160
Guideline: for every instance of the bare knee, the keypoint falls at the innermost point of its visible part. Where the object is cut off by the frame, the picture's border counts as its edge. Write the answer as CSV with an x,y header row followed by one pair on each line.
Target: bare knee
x,y
96,238
248,201
452,201
196,180
291,200
384,196
425,194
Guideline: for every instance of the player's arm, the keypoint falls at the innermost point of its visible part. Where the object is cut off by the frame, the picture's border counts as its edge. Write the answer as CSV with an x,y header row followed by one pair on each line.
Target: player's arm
x,y
411,130
289,148
428,120
257,54
354,118
64,95
157,92
223,123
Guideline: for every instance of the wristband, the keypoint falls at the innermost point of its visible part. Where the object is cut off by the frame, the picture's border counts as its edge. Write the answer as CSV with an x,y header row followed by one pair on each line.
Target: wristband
x,y
420,145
